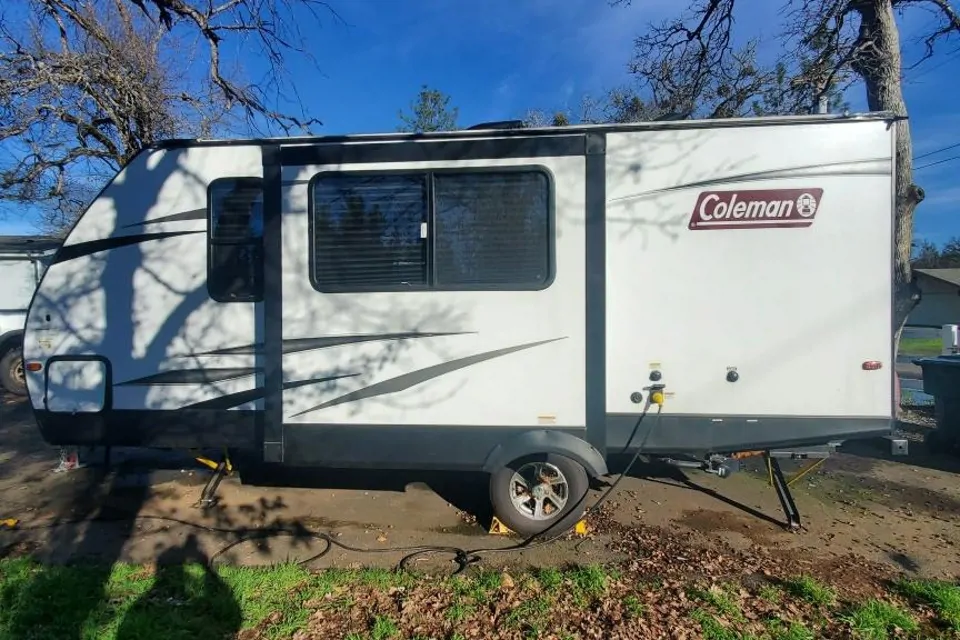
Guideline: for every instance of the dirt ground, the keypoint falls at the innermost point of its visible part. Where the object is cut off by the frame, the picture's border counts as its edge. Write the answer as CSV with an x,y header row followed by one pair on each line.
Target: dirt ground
x,y
900,511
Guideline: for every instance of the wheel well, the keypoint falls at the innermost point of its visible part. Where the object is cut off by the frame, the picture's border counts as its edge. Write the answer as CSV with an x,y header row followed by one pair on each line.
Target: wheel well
x,y
547,441
10,340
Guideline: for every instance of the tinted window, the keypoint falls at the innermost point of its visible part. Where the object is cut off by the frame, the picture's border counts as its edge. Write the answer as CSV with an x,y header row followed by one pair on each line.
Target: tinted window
x,y
367,231
450,230
235,252
492,229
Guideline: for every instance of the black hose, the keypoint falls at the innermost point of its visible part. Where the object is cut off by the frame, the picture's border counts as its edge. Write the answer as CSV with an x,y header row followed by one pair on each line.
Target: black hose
x,y
462,557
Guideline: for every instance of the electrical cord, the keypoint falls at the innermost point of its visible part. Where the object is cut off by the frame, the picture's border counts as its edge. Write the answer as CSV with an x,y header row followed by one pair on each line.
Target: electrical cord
x,y
462,557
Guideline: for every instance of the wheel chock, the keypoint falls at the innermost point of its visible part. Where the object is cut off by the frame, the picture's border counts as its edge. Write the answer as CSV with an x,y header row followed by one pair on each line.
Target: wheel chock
x,y
497,528
9,523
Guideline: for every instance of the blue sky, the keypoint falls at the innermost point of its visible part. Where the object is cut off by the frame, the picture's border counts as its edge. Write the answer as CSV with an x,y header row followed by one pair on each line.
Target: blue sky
x,y
498,58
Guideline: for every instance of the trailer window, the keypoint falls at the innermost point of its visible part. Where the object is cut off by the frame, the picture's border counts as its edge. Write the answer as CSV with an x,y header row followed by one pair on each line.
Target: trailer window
x,y
368,231
492,229
471,229
235,250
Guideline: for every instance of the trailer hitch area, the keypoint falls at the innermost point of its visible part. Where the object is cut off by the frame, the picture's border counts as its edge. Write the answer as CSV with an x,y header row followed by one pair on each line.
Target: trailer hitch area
x,y
720,466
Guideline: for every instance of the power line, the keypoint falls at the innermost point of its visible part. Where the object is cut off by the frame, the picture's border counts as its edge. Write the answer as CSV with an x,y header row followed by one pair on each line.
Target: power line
x,y
931,164
954,56
936,151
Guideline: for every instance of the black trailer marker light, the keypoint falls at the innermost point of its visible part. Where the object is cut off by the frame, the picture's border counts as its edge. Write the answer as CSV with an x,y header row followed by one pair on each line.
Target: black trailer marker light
x,y
33,366
872,365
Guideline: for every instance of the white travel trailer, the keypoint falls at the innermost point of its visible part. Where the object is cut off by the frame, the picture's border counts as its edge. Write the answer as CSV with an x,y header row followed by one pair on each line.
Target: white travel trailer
x,y
503,299
22,262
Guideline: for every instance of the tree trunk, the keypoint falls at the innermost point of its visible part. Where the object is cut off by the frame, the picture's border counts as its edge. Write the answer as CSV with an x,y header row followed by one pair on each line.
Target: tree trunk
x,y
879,65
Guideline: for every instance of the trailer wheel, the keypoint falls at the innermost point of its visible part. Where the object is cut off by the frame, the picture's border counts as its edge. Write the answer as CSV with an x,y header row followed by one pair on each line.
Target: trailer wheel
x,y
11,372
535,492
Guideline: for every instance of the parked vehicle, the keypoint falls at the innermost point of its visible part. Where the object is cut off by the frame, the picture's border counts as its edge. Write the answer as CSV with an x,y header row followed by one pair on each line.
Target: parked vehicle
x,y
22,261
503,299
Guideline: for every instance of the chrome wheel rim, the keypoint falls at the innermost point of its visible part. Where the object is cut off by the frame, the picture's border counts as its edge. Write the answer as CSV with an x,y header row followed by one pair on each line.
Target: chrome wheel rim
x,y
539,490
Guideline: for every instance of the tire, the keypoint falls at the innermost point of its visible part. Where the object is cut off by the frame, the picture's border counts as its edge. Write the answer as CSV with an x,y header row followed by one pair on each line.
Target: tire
x,y
520,519
11,372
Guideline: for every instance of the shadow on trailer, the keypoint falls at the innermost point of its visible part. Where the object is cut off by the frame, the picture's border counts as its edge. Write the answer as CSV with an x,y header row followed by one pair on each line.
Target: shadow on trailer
x,y
500,300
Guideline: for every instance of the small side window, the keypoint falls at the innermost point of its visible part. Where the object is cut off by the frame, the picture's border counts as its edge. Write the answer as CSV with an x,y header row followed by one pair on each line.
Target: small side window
x,y
235,240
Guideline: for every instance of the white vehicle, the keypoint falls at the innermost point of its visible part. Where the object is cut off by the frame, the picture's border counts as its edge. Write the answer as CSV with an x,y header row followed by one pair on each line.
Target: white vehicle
x,y
503,299
22,261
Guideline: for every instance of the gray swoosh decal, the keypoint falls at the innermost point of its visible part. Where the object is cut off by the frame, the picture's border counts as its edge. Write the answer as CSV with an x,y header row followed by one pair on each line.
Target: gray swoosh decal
x,y
196,214
81,249
408,380
295,345
242,397
192,376
805,171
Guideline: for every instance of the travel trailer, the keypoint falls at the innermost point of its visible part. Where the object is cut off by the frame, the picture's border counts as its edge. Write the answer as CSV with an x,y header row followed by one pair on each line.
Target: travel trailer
x,y
22,261
501,299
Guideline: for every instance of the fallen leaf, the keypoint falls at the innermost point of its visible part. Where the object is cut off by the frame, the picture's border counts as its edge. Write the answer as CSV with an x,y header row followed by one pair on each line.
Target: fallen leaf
x,y
506,581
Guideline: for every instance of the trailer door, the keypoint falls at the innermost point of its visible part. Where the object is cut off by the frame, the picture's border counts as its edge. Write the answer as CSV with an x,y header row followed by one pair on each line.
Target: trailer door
x,y
433,299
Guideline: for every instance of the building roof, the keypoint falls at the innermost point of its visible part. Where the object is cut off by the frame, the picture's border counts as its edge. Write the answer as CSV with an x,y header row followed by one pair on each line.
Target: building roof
x,y
28,244
950,276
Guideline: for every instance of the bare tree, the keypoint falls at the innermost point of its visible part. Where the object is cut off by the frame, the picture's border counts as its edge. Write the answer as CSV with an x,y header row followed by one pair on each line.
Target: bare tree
x,y
86,84
690,63
619,104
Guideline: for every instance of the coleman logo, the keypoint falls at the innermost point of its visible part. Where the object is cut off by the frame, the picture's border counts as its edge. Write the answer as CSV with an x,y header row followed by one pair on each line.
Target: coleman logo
x,y
758,209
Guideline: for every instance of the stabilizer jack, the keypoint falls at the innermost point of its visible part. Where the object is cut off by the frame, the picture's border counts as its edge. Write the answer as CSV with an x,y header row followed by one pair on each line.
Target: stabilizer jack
x,y
208,497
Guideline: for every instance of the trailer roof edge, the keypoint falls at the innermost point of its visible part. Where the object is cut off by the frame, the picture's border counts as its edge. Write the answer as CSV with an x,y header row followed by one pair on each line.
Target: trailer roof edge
x,y
654,125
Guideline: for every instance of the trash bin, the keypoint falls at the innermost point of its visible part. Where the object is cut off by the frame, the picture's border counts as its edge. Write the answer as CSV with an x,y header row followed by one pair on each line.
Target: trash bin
x,y
941,379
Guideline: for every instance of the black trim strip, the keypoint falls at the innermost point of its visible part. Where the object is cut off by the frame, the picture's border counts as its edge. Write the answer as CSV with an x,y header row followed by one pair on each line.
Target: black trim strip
x,y
296,345
195,214
705,434
596,294
232,400
433,150
653,125
270,428
407,380
192,376
432,446
73,251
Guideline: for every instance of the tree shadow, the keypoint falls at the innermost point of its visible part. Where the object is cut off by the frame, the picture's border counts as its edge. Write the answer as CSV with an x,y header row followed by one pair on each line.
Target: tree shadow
x,y
661,472
187,599
465,491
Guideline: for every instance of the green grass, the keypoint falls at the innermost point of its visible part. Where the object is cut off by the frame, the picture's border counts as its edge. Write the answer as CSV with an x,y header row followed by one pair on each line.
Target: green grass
x,y
712,629
383,628
809,590
180,602
550,579
634,607
719,599
530,616
770,593
875,619
780,630
589,583
920,346
458,611
942,597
